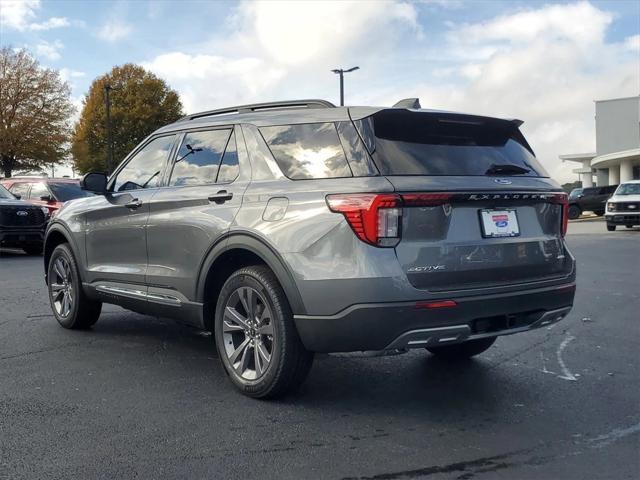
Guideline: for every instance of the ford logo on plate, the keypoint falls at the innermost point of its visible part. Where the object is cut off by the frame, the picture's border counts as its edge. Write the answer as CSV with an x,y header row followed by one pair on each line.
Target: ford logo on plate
x,y
503,181
22,213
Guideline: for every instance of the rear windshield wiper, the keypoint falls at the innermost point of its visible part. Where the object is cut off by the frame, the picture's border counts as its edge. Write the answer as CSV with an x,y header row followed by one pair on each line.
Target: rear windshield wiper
x,y
507,169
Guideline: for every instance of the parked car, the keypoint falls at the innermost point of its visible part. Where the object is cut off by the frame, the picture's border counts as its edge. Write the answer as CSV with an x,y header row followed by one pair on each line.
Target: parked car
x,y
47,192
591,199
22,225
299,227
623,208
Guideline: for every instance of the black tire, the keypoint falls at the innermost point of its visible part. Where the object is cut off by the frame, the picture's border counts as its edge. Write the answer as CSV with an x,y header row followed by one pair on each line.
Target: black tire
x,y
83,312
464,350
599,212
574,212
33,249
611,228
289,361
629,226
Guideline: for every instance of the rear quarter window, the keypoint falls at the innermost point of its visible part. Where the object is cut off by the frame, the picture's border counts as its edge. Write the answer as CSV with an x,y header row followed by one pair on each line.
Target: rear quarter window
x,y
307,151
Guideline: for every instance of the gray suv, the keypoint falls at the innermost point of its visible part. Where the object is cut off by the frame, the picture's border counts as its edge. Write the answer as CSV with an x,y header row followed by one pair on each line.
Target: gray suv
x,y
298,227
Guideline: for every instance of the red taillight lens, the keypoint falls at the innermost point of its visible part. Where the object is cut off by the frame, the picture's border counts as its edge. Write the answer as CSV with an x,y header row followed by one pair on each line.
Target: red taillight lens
x,y
437,304
375,218
563,200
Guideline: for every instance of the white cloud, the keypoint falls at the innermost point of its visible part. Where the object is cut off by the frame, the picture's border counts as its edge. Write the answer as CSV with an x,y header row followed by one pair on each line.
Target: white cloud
x,y
67,74
19,15
53,22
114,30
49,50
205,81
284,50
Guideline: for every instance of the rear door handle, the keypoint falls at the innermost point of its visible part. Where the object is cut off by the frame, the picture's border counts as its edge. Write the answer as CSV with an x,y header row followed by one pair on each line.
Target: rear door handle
x,y
220,197
134,204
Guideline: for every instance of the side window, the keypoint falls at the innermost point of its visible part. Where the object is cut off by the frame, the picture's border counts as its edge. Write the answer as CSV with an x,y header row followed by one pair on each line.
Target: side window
x,y
229,168
145,167
20,189
199,158
38,190
306,151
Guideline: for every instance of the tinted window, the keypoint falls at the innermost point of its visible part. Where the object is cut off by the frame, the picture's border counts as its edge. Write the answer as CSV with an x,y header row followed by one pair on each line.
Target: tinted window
x,y
144,169
38,190
20,189
4,193
229,167
307,151
591,191
357,155
199,158
68,191
420,143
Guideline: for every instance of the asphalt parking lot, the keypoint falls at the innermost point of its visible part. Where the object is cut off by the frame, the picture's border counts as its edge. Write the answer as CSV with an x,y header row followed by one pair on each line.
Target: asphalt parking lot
x,y
140,397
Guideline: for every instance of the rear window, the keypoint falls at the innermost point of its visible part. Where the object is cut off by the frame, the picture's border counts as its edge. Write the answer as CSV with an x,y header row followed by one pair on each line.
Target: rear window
x,y
4,193
424,143
307,151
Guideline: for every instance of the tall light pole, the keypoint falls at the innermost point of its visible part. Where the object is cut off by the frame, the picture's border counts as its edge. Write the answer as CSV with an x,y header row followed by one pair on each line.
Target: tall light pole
x,y
107,99
341,72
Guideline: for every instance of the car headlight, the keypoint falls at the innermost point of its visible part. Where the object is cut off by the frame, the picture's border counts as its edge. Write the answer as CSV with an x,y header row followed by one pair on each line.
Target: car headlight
x,y
611,207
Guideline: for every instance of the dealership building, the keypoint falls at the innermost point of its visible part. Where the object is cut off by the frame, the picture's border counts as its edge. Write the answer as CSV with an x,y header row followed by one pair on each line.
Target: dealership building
x,y
617,155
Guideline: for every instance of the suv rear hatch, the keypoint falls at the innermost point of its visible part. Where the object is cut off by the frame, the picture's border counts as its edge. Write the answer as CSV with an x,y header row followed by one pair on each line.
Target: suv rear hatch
x,y
478,210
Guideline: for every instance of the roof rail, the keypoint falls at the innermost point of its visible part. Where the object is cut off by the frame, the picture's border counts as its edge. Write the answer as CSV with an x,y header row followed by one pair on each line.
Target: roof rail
x,y
261,106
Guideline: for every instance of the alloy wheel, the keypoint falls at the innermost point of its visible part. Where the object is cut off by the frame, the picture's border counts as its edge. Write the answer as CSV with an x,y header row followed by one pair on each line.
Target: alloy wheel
x,y
61,287
248,334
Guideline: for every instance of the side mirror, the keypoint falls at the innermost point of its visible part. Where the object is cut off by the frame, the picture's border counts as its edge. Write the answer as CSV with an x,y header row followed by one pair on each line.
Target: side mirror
x,y
94,182
46,198
17,195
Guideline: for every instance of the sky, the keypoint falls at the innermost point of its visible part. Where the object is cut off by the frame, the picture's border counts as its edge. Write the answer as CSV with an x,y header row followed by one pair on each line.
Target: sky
x,y
542,62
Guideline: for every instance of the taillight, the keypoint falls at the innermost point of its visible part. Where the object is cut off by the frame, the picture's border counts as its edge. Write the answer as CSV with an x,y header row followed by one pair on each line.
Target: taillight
x,y
375,218
563,200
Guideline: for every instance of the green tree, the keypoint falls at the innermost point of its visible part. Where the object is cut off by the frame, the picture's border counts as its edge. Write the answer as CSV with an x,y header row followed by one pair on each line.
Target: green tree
x,y
35,111
140,103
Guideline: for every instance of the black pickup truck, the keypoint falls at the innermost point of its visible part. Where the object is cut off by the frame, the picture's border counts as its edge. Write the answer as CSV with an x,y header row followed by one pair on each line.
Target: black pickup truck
x,y
22,225
591,199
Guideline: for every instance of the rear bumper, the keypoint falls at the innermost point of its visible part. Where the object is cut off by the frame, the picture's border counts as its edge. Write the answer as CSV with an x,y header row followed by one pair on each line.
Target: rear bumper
x,y
380,326
18,237
623,218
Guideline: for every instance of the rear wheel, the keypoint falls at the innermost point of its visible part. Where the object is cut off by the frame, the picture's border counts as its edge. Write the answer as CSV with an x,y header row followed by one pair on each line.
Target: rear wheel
x,y
70,305
599,212
629,226
574,212
460,351
256,337
610,227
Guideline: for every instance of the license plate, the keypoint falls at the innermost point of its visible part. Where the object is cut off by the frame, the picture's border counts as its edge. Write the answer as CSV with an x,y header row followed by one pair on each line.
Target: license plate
x,y
499,223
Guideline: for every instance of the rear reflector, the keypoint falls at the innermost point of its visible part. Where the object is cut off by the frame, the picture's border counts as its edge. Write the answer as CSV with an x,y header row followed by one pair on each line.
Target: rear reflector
x,y
436,304
563,200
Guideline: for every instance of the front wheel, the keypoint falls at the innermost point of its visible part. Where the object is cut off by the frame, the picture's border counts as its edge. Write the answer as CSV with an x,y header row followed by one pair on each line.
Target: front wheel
x,y
70,305
611,228
461,351
574,212
256,336
629,226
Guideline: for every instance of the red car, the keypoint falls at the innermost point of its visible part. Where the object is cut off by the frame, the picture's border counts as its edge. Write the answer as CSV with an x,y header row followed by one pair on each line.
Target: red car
x,y
47,192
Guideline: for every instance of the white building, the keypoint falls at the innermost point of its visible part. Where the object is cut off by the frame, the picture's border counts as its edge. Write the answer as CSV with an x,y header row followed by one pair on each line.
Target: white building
x,y
617,156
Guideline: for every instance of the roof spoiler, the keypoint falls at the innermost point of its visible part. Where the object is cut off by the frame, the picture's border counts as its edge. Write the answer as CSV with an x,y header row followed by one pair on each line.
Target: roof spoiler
x,y
408,103
517,122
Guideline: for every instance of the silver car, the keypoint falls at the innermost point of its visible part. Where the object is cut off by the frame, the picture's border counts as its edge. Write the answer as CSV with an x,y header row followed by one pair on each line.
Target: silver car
x,y
297,227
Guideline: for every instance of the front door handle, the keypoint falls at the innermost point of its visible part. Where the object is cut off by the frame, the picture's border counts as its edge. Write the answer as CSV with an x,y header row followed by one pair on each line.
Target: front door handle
x,y
134,204
220,197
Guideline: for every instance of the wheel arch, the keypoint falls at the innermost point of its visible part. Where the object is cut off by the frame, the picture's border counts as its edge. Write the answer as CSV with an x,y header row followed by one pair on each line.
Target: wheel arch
x,y
237,251
56,235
